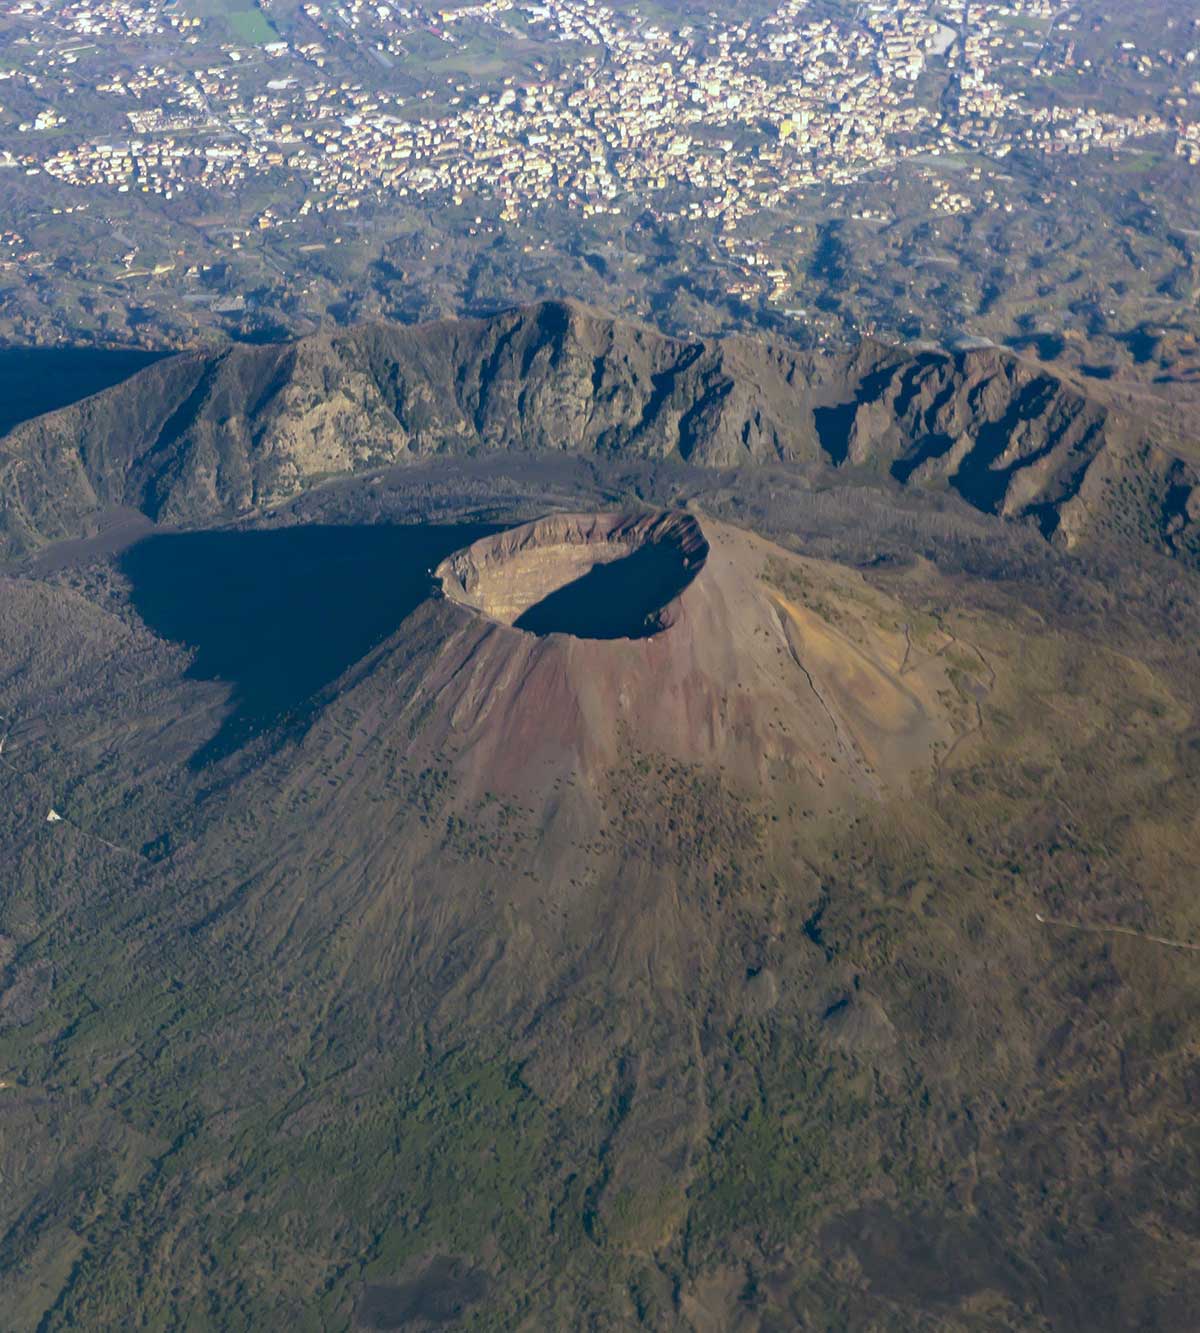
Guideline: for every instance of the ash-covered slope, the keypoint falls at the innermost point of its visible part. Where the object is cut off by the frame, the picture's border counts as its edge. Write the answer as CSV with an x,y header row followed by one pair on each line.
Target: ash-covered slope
x,y
685,981
215,434
733,672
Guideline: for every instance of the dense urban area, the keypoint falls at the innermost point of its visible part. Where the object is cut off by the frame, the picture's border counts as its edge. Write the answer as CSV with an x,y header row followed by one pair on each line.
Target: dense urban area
x,y
210,168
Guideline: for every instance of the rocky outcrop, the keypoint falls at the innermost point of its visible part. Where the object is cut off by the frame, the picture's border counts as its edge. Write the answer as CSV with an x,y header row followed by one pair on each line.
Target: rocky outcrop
x,y
1015,441
212,435
204,435
1010,439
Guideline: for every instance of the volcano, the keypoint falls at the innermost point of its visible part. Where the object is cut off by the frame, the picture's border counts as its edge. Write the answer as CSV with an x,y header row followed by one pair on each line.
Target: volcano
x,y
559,639
594,914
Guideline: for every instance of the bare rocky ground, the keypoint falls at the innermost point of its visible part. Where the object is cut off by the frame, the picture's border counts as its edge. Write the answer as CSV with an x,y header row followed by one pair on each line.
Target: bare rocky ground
x,y
209,435
392,967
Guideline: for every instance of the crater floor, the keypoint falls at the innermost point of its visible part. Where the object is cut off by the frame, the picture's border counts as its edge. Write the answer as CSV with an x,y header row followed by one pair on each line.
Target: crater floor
x,y
593,576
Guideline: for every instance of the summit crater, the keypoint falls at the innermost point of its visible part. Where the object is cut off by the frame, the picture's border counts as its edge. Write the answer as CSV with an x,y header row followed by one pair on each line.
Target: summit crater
x,y
593,576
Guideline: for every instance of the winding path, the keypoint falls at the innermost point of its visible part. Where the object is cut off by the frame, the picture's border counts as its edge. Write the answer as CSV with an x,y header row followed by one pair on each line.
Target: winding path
x,y
1116,930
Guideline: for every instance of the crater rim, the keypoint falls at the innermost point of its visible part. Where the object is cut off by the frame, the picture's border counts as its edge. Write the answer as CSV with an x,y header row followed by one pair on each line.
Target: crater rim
x,y
594,576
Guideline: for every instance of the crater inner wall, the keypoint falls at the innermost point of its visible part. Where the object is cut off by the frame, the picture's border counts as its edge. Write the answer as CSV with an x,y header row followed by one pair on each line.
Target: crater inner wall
x,y
505,576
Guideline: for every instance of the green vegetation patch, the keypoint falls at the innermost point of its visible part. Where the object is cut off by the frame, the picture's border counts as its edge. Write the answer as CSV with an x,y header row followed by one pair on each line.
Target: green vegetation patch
x,y
252,27
246,23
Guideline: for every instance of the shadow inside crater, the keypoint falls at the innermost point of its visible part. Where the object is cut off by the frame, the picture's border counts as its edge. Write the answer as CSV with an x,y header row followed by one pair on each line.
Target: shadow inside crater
x,y
281,614
617,600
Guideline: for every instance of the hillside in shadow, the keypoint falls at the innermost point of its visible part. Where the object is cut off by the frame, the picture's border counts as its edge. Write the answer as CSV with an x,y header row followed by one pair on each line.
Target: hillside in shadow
x,y
281,614
34,380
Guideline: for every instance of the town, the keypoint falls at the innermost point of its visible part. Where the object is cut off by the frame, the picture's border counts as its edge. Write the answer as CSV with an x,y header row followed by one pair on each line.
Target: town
x,y
510,116
649,117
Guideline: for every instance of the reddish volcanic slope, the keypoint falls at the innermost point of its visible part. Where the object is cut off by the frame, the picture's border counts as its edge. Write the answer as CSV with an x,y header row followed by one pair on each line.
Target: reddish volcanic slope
x,y
774,668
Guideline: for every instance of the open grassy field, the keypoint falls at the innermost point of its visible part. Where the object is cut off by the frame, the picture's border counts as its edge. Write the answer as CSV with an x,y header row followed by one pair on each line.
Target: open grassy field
x,y
244,21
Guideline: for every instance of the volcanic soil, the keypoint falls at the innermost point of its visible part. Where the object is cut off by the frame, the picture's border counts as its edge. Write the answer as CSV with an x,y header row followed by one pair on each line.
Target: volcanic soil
x,y
618,921
771,667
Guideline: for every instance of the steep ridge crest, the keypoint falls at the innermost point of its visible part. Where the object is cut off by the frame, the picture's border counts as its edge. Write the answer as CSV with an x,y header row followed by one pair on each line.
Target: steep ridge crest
x,y
214,435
